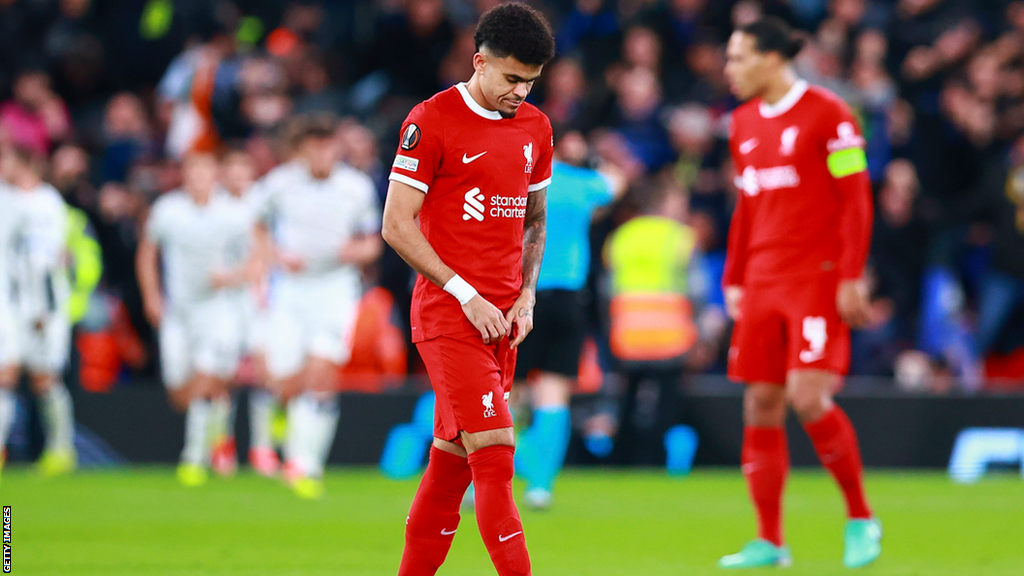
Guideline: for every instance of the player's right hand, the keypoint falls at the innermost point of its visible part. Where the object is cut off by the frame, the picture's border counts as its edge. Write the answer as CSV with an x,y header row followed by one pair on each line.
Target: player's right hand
x,y
291,262
852,302
733,296
154,310
486,318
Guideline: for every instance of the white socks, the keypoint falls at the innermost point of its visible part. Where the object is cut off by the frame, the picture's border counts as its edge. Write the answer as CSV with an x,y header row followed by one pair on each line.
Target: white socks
x,y
312,423
220,418
59,417
298,448
327,412
197,427
261,418
8,401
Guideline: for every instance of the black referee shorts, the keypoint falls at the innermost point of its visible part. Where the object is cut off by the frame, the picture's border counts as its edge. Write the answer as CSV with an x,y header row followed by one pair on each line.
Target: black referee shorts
x,y
558,333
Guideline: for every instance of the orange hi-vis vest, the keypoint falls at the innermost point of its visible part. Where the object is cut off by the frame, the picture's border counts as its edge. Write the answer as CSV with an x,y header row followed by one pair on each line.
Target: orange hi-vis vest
x,y
651,318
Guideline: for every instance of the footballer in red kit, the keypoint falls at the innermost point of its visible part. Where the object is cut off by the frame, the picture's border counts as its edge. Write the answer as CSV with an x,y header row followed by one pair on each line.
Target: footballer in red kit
x,y
476,170
466,209
793,280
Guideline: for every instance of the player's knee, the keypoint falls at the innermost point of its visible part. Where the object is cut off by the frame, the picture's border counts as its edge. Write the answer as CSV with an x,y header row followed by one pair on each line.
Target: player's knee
x,y
179,398
479,440
809,404
8,377
764,406
41,382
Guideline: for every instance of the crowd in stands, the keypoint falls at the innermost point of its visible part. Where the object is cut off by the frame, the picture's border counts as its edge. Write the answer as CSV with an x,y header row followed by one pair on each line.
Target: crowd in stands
x,y
117,92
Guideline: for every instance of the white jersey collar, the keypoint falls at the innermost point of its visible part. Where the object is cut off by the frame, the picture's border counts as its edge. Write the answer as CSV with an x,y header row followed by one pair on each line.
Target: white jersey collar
x,y
474,106
785,103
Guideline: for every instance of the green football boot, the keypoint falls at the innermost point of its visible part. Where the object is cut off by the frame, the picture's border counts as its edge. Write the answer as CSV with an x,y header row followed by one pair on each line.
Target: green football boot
x,y
57,462
758,554
192,475
862,541
308,488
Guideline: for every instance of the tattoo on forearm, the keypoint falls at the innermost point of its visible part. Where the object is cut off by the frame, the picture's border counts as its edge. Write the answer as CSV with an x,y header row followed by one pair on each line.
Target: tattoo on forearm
x,y
534,235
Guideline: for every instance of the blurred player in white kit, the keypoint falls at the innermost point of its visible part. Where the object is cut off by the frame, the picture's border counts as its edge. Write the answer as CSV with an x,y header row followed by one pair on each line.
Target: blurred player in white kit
x,y
237,175
11,232
35,330
324,219
203,235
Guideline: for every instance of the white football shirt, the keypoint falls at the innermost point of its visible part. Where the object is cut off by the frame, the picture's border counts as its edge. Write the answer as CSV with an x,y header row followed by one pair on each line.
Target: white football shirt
x,y
197,241
42,276
314,219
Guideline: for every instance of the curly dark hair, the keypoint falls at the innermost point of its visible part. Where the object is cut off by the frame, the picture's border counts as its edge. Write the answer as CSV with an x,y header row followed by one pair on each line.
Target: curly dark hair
x,y
516,30
773,34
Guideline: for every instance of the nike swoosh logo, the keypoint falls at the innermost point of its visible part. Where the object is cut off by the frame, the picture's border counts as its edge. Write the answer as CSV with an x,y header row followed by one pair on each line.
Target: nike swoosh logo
x,y
446,533
468,159
509,537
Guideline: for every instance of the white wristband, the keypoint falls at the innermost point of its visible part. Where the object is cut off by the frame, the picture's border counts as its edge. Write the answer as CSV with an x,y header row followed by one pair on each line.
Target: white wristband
x,y
459,288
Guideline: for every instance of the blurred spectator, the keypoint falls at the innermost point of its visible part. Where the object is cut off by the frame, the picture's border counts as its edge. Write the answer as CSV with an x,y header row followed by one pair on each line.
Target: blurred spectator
x,y
590,32
637,117
70,175
651,317
565,94
127,136
359,149
36,117
318,93
1001,296
410,47
898,249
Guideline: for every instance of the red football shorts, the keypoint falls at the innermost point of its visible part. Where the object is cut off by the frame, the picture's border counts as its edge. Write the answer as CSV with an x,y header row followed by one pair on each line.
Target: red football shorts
x,y
789,325
471,382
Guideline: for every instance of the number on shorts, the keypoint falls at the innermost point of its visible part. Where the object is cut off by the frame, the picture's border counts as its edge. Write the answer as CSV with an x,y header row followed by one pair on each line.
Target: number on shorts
x,y
816,335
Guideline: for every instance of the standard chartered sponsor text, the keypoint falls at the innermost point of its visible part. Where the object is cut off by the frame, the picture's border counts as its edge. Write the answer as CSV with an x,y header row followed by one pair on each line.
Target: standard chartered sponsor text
x,y
508,206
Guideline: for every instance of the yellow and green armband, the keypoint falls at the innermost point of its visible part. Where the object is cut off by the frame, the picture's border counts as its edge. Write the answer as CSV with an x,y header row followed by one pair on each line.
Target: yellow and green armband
x,y
847,161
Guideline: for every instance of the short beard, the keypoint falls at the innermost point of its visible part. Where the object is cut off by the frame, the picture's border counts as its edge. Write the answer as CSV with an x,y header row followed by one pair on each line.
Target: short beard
x,y
508,115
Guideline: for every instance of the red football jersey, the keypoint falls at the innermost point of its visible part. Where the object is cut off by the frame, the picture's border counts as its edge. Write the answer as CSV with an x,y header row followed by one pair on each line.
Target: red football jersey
x,y
804,201
476,169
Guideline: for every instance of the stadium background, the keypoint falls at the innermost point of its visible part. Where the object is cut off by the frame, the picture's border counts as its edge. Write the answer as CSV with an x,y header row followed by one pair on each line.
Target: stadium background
x,y
115,91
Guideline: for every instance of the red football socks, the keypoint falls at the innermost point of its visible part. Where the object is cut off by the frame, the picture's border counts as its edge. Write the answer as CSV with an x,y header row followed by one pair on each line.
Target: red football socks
x,y
836,444
496,512
434,516
765,465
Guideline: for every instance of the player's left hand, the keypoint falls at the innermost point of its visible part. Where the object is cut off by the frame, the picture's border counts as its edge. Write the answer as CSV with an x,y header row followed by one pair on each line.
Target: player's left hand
x,y
520,317
221,278
852,302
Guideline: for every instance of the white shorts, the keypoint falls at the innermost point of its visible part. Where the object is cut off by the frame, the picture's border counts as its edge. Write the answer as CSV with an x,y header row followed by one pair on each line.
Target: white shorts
x,y
45,348
10,339
255,323
201,338
311,317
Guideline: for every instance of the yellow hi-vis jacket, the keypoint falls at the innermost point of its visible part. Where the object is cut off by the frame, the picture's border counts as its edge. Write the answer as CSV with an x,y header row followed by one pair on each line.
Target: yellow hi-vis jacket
x,y
651,318
86,265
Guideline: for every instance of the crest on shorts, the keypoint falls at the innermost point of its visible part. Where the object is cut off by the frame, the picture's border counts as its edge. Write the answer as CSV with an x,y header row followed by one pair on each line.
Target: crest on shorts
x,y
411,137
488,402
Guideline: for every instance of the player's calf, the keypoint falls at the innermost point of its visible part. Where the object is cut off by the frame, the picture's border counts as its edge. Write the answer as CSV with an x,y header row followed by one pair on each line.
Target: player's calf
x,y
434,516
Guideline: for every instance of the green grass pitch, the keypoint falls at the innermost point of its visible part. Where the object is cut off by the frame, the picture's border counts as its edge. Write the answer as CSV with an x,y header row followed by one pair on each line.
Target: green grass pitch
x,y
604,523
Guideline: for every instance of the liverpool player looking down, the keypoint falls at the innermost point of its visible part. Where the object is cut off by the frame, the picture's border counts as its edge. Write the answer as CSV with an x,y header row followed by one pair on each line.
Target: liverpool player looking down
x,y
474,164
793,279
